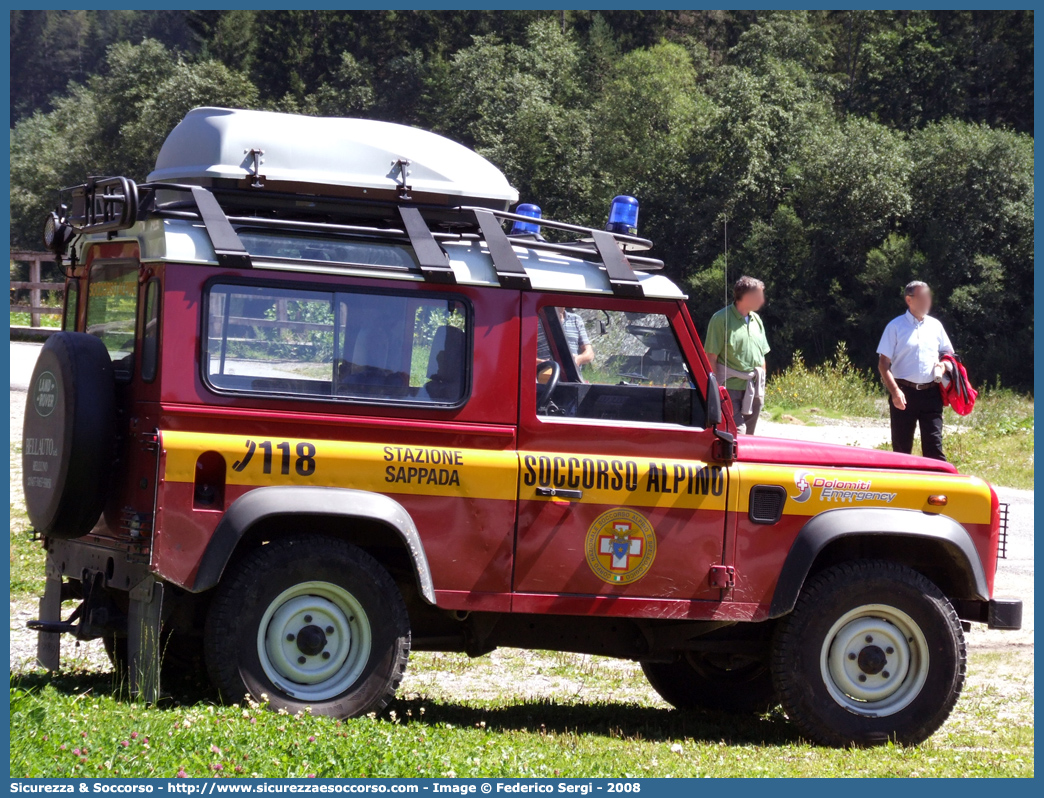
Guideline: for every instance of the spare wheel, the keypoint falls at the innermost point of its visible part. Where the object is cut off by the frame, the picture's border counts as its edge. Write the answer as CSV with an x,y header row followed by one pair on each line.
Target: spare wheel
x,y
68,437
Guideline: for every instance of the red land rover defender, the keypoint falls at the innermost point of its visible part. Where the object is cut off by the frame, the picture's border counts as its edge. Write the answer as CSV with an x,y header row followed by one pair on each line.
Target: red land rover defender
x,y
313,405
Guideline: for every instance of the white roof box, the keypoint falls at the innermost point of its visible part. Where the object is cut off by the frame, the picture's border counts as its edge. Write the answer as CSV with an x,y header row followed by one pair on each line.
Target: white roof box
x,y
328,157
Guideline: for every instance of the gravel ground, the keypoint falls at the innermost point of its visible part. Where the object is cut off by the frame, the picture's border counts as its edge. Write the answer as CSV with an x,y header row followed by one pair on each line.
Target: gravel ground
x,y
1014,576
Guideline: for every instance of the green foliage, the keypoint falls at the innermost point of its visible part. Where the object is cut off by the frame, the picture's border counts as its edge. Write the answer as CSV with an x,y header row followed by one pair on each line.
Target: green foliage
x,y
835,386
115,123
848,152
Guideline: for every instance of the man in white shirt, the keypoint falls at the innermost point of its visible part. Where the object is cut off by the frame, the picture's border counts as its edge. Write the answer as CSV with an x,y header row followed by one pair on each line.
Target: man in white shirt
x,y
910,351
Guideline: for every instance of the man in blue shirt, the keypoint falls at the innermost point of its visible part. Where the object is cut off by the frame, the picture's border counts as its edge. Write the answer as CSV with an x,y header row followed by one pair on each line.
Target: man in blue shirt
x,y
909,357
577,339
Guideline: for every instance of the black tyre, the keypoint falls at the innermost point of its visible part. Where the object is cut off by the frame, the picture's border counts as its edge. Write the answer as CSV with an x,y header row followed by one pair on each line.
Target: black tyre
x,y
68,435
309,621
724,682
872,652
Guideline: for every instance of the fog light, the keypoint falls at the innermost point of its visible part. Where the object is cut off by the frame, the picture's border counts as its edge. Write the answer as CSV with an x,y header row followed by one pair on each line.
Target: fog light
x,y
56,234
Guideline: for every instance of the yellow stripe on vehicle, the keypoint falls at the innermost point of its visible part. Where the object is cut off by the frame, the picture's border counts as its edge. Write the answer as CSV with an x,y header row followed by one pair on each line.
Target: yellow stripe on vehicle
x,y
383,468
627,482
812,490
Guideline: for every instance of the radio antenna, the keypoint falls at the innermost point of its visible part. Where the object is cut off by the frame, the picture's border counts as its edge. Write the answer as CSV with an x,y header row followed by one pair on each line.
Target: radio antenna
x,y
724,365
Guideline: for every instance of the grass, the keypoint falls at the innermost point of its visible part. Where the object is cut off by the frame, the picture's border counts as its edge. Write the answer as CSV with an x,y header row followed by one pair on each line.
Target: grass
x,y
994,442
27,558
46,319
78,724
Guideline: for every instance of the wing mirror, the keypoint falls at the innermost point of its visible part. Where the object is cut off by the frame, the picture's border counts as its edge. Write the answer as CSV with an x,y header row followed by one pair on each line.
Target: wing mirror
x,y
713,401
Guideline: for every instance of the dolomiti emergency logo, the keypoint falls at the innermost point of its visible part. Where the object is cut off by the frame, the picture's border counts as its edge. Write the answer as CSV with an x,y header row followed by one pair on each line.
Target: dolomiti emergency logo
x,y
620,546
833,489
801,479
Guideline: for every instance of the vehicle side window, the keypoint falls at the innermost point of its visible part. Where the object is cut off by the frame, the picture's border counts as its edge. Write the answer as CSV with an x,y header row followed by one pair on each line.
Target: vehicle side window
x,y
620,366
342,345
150,337
294,246
112,311
72,299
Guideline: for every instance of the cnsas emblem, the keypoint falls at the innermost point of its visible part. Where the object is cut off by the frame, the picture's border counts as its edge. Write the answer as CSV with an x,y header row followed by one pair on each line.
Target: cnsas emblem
x,y
620,546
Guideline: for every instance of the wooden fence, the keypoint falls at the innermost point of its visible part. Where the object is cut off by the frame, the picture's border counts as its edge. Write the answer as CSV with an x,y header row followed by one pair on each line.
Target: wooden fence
x,y
34,308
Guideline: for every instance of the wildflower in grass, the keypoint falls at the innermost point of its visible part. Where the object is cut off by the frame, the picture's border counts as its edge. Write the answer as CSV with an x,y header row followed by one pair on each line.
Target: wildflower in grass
x,y
181,774
61,747
311,738
76,752
217,766
124,743
134,735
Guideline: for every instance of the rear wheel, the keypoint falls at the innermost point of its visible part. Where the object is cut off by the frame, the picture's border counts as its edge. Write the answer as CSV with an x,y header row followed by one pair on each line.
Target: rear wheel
x,y
311,622
724,682
872,652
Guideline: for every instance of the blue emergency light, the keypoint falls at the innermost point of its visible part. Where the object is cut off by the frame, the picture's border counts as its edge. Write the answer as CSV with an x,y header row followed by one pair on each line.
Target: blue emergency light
x,y
623,216
526,228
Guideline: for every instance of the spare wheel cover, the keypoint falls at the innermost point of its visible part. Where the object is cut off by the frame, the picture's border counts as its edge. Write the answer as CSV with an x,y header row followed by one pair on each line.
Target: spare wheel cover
x,y
68,436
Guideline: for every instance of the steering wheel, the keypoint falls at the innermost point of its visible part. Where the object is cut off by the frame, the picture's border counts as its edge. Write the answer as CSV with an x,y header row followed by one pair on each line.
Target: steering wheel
x,y
545,390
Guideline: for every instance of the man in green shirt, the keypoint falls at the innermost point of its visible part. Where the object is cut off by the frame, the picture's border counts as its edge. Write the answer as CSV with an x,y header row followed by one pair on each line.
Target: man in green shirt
x,y
736,347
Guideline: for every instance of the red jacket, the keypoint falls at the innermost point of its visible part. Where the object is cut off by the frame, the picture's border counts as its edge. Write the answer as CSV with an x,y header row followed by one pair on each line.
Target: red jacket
x,y
957,392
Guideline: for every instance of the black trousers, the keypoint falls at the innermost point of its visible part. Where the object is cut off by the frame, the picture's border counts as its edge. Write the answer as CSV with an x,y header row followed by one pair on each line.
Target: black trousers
x,y
924,408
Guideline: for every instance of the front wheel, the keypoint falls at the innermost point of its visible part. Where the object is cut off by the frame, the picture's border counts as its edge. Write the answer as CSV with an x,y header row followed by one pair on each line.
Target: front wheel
x,y
311,622
872,652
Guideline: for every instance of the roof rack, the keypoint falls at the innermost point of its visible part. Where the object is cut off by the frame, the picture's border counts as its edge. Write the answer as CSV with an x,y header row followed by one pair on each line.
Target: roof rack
x,y
116,203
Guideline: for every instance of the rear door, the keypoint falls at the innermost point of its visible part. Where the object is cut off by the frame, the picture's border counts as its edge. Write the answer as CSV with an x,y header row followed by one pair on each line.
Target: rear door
x,y
619,500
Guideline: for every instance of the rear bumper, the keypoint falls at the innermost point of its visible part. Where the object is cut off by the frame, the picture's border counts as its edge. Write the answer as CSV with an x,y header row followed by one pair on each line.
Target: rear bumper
x,y
995,613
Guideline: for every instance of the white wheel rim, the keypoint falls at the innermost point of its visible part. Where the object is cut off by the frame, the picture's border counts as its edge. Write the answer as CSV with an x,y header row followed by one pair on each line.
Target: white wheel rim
x,y
874,660
314,641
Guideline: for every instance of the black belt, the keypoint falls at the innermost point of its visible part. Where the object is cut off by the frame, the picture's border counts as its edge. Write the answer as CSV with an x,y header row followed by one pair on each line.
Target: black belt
x,y
917,386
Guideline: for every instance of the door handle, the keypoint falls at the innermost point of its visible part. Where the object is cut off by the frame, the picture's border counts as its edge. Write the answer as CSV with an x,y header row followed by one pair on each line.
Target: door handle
x,y
560,493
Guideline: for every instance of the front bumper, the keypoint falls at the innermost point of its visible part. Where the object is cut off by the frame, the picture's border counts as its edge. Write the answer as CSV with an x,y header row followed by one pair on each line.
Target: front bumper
x,y
995,613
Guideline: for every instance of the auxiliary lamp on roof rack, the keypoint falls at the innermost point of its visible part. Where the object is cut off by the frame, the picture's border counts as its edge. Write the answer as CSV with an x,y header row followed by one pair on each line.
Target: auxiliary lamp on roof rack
x,y
526,228
56,233
623,216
